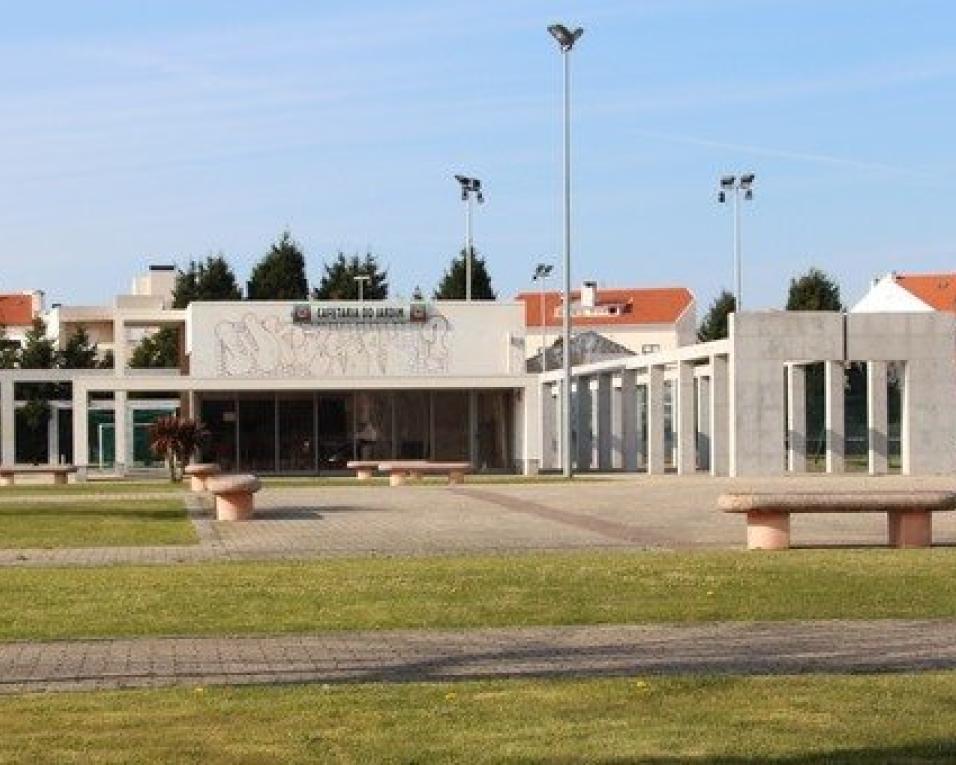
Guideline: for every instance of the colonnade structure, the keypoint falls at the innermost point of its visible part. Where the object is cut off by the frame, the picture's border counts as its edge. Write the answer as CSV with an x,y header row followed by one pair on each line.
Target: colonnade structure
x,y
737,407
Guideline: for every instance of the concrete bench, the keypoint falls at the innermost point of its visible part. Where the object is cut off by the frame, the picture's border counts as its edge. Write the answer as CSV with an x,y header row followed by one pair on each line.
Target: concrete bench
x,y
363,468
199,472
399,471
59,473
909,514
233,495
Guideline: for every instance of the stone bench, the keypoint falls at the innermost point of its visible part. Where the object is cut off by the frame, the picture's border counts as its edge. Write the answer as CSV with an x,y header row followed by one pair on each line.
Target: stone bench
x,y
199,472
363,468
399,471
909,513
233,495
59,473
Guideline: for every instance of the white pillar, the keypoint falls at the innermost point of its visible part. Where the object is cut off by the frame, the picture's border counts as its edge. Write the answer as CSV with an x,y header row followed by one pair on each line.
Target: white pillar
x,y
719,417
8,423
685,425
703,423
834,382
655,420
81,422
602,423
797,418
120,417
876,417
120,355
584,421
629,420
549,459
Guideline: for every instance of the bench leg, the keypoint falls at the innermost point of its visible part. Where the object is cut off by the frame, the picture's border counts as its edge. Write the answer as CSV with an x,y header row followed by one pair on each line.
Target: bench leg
x,y
6,480
234,507
196,483
910,529
415,475
456,476
768,531
363,474
397,478
59,478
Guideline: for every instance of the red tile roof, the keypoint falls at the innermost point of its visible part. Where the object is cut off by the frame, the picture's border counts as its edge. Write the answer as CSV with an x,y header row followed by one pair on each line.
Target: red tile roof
x,y
16,310
662,305
937,290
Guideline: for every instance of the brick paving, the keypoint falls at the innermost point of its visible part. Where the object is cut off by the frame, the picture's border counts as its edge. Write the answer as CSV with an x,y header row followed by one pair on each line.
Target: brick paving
x,y
439,655
634,512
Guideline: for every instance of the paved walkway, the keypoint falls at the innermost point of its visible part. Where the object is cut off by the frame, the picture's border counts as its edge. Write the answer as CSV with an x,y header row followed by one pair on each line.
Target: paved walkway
x,y
414,655
634,512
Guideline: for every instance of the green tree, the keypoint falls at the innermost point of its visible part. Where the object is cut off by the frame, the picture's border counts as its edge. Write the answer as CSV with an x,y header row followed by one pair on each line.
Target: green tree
x,y
9,350
37,351
814,291
338,281
280,275
452,285
212,279
714,325
160,350
79,352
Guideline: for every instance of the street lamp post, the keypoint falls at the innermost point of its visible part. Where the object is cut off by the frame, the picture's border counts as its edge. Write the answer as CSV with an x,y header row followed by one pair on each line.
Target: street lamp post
x,y
541,274
360,280
566,40
470,187
736,185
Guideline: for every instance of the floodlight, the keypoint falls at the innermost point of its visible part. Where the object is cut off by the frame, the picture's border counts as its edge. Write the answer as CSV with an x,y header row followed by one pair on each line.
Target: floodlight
x,y
721,197
746,180
728,181
565,37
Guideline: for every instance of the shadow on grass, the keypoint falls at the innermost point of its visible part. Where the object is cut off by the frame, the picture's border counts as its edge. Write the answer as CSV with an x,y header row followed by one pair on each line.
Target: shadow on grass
x,y
942,750
24,513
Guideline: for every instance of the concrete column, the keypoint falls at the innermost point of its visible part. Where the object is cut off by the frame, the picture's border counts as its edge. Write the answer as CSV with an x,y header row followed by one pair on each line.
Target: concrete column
x,y
584,420
8,423
703,423
629,420
719,417
685,425
617,427
655,420
601,418
548,429
876,417
835,424
81,423
797,418
120,417
120,355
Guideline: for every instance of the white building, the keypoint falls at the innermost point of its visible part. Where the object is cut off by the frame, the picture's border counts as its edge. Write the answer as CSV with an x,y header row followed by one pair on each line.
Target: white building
x,y
912,293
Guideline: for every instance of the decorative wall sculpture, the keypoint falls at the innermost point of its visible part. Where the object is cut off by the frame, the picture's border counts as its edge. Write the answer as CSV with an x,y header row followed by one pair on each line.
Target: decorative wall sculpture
x,y
272,346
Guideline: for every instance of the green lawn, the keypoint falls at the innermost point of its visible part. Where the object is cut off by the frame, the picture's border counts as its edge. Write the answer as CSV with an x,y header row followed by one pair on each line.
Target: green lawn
x,y
809,719
94,523
472,591
92,487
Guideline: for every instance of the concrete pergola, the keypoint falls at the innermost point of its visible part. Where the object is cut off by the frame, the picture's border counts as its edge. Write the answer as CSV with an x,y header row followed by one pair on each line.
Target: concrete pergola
x,y
738,405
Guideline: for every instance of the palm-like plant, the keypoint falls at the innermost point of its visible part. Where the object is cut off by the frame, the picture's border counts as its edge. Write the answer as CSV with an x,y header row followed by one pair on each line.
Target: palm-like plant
x,y
176,439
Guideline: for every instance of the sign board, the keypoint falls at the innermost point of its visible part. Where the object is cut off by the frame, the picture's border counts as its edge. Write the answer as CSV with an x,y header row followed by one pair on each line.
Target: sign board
x,y
359,313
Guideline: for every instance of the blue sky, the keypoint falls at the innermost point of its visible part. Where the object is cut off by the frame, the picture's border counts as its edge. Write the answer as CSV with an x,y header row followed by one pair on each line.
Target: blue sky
x,y
138,132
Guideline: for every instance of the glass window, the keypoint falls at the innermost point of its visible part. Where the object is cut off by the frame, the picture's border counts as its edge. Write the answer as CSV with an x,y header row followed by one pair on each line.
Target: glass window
x,y
411,425
102,438
257,435
335,445
33,433
373,425
143,455
297,435
219,418
451,425
494,430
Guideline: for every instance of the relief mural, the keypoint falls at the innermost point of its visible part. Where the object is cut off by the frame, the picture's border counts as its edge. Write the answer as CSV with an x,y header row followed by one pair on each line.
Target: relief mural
x,y
270,346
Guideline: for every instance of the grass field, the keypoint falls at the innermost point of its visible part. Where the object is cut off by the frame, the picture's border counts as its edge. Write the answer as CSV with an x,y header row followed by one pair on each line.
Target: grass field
x,y
808,719
92,487
473,591
94,523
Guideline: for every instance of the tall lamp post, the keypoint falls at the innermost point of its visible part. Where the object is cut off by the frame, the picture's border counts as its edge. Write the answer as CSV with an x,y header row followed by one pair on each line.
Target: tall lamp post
x,y
541,273
470,188
731,184
360,281
566,40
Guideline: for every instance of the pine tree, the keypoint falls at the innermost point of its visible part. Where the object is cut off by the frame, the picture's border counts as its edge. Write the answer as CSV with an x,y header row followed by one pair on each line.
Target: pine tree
x,y
79,352
212,279
280,275
452,285
37,351
714,325
338,282
814,291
